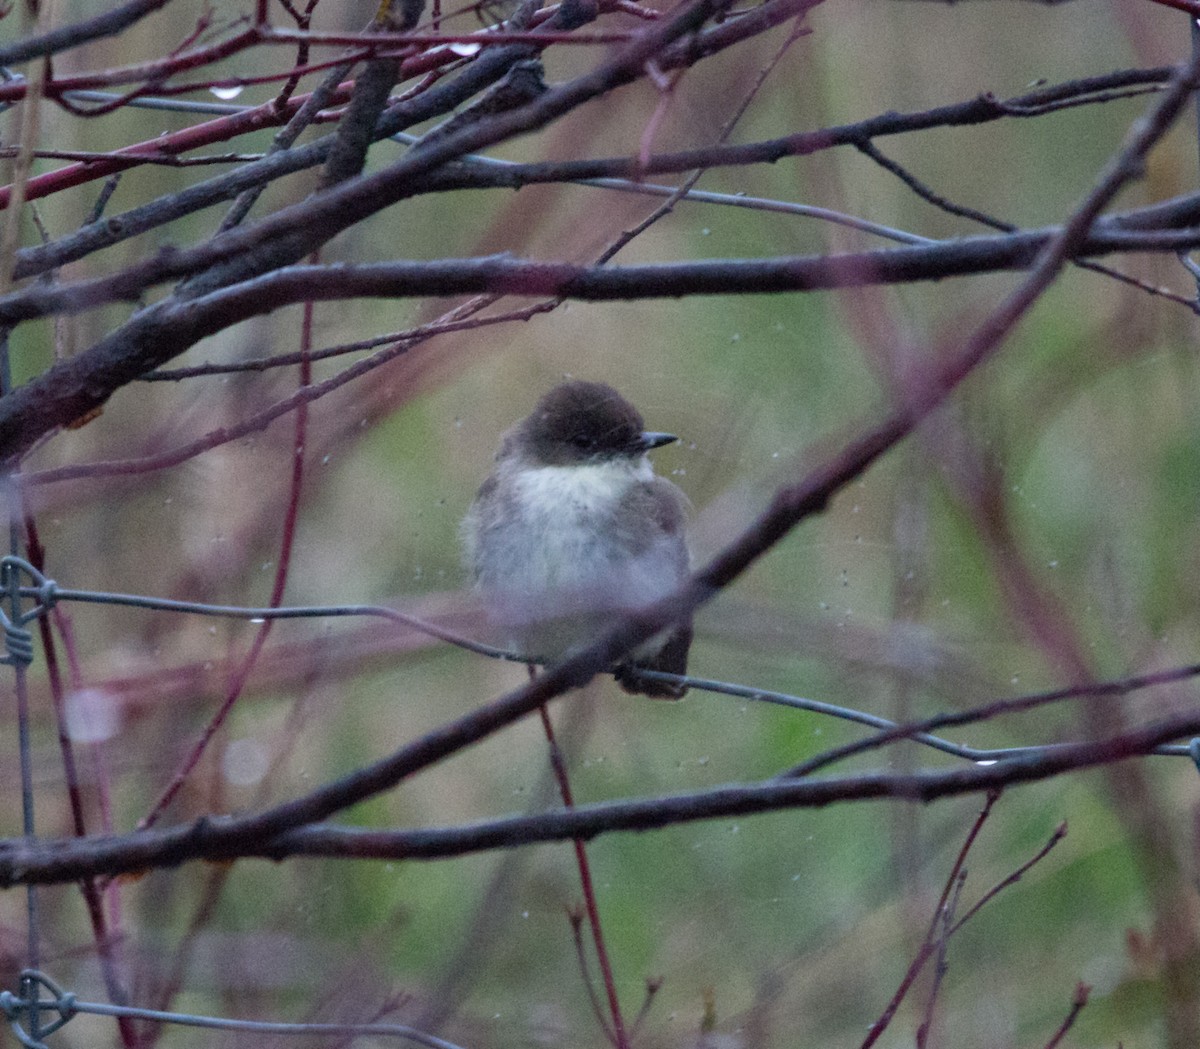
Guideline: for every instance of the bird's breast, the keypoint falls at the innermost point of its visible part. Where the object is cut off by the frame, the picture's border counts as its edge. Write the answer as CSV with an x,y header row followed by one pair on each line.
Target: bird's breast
x,y
561,549
570,528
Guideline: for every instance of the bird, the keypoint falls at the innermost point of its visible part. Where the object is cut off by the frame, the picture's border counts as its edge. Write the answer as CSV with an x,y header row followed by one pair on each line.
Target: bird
x,y
572,529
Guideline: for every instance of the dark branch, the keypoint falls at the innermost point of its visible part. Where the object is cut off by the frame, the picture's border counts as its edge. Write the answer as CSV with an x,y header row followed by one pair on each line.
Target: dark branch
x,y
467,174
24,862
156,335
73,35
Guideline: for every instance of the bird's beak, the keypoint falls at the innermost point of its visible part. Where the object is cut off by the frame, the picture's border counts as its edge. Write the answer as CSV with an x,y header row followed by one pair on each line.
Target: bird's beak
x,y
650,439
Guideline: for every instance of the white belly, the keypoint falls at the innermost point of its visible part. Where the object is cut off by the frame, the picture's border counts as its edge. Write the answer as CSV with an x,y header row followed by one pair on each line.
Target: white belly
x,y
558,571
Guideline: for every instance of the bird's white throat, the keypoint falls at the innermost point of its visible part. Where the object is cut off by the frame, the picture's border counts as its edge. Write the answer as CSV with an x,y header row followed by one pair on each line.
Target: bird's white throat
x,y
585,489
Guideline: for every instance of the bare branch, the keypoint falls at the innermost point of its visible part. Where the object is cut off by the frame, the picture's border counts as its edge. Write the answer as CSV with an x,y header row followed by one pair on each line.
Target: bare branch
x,y
468,174
47,862
68,36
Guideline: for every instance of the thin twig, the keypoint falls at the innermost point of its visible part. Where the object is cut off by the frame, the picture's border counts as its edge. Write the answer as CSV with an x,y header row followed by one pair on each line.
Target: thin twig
x,y
931,939
940,967
1082,993
283,565
1060,832
591,907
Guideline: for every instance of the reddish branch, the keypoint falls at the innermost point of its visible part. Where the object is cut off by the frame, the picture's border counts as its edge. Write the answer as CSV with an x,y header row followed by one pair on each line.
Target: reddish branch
x,y
944,925
106,937
932,938
147,73
1060,832
435,52
570,15
270,114
247,664
243,253
558,765
1082,992
194,137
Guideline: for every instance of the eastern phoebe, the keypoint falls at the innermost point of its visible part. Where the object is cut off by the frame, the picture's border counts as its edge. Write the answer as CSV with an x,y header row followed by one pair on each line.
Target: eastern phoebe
x,y
572,529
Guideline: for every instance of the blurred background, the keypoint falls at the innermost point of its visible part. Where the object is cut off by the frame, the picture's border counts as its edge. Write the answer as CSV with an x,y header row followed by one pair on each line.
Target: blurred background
x,y
1039,529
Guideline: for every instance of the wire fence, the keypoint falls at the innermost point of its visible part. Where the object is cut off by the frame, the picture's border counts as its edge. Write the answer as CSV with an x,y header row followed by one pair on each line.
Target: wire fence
x,y
35,595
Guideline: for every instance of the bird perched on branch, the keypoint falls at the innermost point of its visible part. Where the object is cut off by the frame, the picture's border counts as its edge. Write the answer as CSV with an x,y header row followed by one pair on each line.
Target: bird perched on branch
x,y
572,529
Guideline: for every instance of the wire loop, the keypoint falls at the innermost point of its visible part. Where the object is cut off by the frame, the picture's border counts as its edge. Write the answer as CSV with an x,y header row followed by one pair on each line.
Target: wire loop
x,y
44,589
66,1006
31,1003
18,642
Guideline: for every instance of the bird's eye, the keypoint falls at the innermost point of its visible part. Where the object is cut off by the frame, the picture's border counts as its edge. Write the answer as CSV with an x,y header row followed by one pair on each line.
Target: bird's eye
x,y
583,442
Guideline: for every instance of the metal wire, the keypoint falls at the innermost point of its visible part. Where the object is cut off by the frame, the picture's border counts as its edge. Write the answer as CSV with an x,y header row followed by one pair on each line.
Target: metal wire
x,y
30,1006
980,756
47,592
19,646
66,1006
618,185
